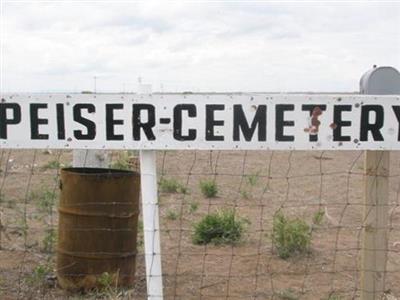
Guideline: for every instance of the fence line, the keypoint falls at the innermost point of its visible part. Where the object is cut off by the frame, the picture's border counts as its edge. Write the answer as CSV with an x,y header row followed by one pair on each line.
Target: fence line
x,y
299,184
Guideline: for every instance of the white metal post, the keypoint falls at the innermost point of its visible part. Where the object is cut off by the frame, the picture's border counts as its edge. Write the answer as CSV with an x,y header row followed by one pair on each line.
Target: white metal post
x,y
151,226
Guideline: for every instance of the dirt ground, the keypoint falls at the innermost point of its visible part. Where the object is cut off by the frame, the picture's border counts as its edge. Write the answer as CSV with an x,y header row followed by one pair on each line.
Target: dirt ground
x,y
297,183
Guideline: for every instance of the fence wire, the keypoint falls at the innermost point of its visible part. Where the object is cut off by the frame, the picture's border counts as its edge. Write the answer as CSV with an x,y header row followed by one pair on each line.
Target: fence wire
x,y
318,193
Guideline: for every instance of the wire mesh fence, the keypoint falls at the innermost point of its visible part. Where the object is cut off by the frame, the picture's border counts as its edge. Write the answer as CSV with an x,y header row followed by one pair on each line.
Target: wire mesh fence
x,y
234,225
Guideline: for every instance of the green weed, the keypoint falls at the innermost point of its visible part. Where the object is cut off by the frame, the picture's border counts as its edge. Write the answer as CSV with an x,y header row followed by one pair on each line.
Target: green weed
x,y
11,203
49,240
245,194
334,297
221,227
287,294
122,162
209,188
53,164
252,179
318,217
46,201
38,275
22,226
290,236
172,215
105,280
172,186
193,207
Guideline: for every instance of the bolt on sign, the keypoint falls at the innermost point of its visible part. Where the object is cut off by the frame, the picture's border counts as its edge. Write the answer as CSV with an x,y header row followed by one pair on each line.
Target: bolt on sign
x,y
200,121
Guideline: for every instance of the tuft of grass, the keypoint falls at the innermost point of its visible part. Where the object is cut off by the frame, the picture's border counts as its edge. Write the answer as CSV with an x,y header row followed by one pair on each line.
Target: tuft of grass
x,y
290,236
334,297
252,179
209,188
46,201
172,215
122,162
38,276
193,207
49,240
221,227
105,280
107,291
107,287
11,203
172,186
53,164
287,294
22,226
245,194
318,217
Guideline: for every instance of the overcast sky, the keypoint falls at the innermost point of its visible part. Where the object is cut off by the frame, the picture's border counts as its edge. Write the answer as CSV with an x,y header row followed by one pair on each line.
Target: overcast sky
x,y
196,46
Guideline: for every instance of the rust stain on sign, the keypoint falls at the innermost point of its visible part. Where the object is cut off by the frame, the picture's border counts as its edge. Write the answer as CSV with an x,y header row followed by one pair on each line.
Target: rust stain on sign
x,y
333,126
315,123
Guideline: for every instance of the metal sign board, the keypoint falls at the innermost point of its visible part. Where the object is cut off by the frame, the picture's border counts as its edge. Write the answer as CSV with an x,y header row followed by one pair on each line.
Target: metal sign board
x,y
200,121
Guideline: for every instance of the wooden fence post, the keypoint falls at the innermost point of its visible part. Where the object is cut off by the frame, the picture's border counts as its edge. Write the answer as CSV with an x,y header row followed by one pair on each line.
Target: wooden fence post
x,y
378,81
375,224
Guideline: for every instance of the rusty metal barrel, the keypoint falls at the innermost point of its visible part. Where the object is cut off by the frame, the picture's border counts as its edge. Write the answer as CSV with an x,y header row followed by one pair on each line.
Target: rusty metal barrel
x,y
98,218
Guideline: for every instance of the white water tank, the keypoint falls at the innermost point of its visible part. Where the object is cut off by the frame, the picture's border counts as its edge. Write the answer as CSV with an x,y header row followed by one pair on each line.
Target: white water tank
x,y
380,81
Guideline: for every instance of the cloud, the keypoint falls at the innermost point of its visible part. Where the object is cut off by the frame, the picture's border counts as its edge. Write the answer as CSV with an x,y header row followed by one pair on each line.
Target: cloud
x,y
132,22
196,46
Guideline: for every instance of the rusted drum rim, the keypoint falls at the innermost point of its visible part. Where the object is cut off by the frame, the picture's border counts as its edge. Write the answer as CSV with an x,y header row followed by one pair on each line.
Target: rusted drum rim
x,y
100,172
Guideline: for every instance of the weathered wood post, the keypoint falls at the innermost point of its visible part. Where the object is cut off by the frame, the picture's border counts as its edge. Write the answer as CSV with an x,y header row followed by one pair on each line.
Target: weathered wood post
x,y
90,158
377,81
